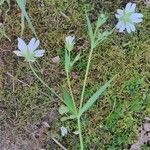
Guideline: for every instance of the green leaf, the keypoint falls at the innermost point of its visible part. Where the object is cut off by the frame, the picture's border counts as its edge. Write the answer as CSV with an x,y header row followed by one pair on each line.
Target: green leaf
x,y
68,118
67,61
90,30
21,4
69,102
102,36
101,20
75,60
95,96
63,109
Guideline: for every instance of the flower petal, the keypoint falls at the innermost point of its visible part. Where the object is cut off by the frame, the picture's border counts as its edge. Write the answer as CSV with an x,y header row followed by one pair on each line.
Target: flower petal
x,y
132,27
128,28
22,45
136,15
120,11
39,53
137,20
119,24
70,39
31,44
118,16
128,7
37,43
122,28
18,53
133,7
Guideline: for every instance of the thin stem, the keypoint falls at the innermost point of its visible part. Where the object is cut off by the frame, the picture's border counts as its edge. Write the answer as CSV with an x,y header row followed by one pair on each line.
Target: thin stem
x,y
85,78
80,133
58,143
70,89
43,81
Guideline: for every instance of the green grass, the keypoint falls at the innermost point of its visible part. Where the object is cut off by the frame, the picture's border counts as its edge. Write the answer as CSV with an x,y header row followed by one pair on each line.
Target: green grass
x,y
114,120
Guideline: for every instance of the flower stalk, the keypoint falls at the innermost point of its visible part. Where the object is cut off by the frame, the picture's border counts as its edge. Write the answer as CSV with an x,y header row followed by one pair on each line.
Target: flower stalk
x,y
43,81
80,133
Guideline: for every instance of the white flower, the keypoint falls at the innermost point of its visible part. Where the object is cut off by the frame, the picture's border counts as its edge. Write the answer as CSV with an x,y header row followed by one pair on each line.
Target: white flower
x,y
64,131
70,42
30,51
128,18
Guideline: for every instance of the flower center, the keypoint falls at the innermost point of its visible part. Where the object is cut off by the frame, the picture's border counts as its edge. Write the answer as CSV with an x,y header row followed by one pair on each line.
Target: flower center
x,y
29,55
126,17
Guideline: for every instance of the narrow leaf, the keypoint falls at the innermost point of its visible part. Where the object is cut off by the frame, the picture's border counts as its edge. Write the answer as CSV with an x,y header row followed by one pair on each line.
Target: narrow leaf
x,y
90,30
75,60
101,20
22,24
21,4
68,118
63,109
95,96
102,36
69,102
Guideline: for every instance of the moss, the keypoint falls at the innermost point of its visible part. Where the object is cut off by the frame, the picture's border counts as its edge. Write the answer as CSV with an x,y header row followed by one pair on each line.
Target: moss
x,y
113,121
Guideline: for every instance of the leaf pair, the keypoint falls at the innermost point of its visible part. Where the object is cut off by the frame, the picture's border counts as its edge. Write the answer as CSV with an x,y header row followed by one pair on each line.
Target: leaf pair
x,y
69,102
68,63
95,36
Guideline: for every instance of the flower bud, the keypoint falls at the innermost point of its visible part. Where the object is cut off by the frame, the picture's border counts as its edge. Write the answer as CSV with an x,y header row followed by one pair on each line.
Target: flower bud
x,y
69,41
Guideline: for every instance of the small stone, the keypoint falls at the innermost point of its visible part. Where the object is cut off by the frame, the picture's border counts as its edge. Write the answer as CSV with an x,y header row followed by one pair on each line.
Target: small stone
x,y
45,124
75,75
146,126
56,59
64,131
76,132
147,118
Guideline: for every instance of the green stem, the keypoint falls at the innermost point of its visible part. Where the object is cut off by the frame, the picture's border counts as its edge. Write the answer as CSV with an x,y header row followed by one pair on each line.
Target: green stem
x,y
43,81
85,78
70,89
80,133
82,96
